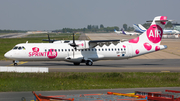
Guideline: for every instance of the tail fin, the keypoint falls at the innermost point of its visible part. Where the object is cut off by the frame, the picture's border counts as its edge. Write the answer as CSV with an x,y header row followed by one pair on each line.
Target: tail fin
x,y
138,28
154,33
142,27
115,30
123,31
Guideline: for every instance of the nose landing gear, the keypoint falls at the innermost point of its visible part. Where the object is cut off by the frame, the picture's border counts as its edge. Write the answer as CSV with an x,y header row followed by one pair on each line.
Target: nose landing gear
x,y
15,62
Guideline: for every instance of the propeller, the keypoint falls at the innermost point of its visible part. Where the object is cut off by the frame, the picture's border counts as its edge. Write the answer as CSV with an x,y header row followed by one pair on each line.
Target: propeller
x,y
74,44
49,39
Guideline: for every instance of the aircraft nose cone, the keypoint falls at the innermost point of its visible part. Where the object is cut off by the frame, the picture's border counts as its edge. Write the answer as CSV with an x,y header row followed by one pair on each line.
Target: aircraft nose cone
x,y
7,55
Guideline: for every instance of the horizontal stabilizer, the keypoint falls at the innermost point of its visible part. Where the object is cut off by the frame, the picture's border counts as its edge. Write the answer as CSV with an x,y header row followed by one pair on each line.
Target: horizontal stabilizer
x,y
159,20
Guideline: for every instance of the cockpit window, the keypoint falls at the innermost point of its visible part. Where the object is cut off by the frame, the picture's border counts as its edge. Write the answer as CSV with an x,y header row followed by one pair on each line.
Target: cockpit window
x,y
15,47
23,48
19,47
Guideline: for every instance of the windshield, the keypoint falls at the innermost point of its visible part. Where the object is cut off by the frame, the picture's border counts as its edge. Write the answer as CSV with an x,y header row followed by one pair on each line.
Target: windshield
x,y
15,47
19,48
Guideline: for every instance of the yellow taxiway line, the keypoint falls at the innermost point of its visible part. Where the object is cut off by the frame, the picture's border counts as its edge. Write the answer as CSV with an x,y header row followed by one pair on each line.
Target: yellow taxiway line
x,y
20,63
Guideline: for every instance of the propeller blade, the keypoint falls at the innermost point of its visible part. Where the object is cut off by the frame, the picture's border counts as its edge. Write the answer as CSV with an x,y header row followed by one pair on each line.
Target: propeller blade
x,y
74,44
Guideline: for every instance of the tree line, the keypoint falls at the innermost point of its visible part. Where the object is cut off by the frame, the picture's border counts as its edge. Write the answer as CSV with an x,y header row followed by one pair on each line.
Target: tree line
x,y
102,29
89,29
12,31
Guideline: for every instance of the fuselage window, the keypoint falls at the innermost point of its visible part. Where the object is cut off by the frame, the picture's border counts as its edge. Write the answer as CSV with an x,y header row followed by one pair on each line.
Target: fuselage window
x,y
105,49
92,49
121,49
81,49
112,49
102,49
59,50
99,49
85,50
69,50
95,49
88,49
109,49
115,49
124,48
72,49
55,50
62,50
45,50
118,49
65,49
49,50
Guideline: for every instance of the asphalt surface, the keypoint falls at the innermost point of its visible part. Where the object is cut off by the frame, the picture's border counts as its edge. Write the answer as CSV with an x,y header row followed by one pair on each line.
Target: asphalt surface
x,y
130,65
17,96
14,35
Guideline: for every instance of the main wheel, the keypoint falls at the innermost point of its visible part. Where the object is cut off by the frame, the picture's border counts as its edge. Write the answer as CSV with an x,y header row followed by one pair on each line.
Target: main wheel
x,y
75,63
89,63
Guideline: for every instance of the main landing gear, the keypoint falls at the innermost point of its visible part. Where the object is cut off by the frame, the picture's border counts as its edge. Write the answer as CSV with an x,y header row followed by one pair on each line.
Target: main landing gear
x,y
15,62
88,63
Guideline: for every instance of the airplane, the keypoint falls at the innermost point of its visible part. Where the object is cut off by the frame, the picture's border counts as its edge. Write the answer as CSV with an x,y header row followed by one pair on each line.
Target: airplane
x,y
117,31
89,51
139,28
125,33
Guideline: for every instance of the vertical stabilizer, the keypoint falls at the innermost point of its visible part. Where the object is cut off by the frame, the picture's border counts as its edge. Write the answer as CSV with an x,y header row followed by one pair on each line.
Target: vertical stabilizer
x,y
154,33
123,31
150,40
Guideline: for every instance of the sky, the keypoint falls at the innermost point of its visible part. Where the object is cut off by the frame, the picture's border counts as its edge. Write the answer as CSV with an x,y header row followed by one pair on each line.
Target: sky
x,y
58,14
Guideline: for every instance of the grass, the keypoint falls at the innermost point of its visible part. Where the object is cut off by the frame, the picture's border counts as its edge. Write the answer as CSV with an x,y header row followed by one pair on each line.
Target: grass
x,y
7,44
74,81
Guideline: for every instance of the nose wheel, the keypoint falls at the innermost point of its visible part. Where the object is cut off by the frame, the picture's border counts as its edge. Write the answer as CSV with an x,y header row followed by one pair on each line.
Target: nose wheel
x,y
15,62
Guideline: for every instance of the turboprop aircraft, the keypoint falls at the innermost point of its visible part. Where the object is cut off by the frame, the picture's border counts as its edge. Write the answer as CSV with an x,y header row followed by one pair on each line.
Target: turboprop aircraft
x,y
89,51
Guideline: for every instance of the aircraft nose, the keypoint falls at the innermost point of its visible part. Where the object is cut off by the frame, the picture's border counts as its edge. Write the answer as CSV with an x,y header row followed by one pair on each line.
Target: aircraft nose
x,y
7,55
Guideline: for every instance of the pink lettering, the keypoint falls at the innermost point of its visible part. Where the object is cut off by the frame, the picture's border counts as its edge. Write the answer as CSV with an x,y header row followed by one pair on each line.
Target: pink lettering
x,y
29,54
37,54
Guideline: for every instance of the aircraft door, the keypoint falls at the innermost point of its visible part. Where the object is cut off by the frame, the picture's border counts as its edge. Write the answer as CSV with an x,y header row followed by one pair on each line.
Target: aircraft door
x,y
129,50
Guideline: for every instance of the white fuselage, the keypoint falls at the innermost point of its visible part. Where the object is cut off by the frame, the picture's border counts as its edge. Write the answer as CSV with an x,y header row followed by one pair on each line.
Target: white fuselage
x,y
64,52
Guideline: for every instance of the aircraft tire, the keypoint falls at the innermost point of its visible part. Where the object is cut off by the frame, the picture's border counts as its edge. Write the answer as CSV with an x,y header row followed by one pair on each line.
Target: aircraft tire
x,y
15,64
89,63
75,63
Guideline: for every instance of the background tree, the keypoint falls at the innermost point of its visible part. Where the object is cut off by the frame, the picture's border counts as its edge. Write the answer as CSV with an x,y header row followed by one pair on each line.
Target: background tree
x,y
168,25
146,25
125,26
101,26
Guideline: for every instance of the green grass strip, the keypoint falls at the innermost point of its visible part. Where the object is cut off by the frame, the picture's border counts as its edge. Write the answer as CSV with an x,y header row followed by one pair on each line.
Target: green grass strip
x,y
75,81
